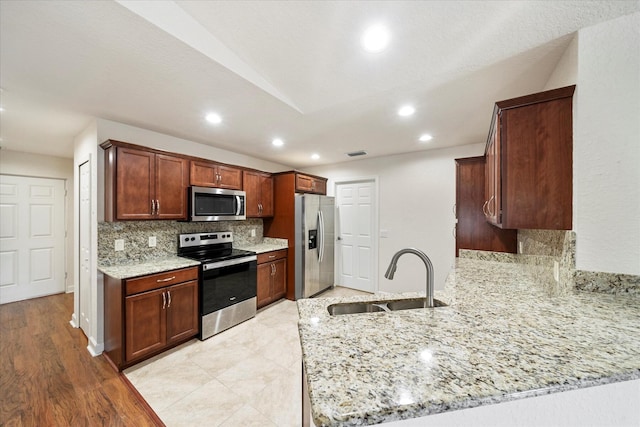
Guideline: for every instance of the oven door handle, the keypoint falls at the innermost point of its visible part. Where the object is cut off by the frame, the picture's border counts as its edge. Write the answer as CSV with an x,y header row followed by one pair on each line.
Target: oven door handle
x,y
229,262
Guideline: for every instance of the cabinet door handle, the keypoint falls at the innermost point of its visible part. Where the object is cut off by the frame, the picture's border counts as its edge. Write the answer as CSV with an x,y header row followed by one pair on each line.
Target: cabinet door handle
x,y
153,207
169,295
157,207
489,205
168,279
164,301
484,208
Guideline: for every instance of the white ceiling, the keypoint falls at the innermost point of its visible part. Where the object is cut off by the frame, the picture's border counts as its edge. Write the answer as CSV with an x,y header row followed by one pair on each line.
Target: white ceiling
x,y
294,70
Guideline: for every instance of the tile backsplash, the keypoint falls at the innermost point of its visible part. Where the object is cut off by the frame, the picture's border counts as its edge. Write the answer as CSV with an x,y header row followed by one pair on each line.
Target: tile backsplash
x,y
136,237
541,242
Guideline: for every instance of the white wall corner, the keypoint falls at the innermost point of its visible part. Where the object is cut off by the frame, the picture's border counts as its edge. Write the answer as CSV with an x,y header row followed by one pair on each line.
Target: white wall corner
x,y
606,149
86,149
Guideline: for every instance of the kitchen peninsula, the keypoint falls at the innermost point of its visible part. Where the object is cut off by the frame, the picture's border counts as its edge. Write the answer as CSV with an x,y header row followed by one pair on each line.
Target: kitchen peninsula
x,y
502,337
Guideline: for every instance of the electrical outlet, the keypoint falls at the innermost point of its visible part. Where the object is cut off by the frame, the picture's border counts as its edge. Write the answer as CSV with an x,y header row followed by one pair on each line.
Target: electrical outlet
x,y
152,241
520,245
253,232
119,244
556,271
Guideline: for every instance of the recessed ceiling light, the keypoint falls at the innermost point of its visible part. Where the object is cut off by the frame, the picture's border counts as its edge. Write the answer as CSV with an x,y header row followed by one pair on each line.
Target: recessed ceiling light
x,y
1,109
315,156
278,142
213,118
375,38
425,137
406,110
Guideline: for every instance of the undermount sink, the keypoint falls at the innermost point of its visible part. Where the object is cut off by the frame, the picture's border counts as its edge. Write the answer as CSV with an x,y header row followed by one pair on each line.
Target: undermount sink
x,y
378,306
353,308
408,304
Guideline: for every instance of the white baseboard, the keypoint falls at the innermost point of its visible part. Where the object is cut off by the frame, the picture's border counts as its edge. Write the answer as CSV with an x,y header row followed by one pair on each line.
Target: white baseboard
x,y
74,321
94,348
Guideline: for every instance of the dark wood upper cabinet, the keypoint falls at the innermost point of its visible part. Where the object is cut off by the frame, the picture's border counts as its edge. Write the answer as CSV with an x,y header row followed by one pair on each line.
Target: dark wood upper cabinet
x,y
472,229
211,174
170,185
529,175
143,184
259,189
310,184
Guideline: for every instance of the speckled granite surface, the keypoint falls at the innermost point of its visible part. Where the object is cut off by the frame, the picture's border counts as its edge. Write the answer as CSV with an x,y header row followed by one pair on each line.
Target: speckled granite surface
x,y
127,271
136,237
501,338
268,244
610,283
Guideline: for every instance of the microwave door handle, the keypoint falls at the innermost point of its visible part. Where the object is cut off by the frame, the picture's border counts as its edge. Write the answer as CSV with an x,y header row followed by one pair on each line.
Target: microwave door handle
x,y
239,206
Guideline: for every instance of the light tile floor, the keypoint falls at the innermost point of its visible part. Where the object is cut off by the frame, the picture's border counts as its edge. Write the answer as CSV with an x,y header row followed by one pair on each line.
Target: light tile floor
x,y
249,375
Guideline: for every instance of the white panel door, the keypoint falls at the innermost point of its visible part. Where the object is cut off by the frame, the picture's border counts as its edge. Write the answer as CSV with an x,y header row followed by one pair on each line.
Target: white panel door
x,y
356,209
31,237
84,275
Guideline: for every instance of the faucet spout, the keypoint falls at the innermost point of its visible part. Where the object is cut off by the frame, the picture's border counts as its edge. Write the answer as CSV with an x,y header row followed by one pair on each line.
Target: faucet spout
x,y
427,263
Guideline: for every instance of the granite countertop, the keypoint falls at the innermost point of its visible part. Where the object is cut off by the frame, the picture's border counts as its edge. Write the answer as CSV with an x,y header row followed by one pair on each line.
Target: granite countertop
x,y
501,338
134,269
267,245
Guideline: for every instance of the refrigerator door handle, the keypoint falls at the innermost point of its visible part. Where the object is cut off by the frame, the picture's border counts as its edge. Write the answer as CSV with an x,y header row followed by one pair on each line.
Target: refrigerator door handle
x,y
321,236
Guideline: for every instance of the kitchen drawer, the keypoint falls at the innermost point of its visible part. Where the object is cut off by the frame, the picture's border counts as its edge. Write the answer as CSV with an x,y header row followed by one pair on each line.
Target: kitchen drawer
x,y
159,280
271,256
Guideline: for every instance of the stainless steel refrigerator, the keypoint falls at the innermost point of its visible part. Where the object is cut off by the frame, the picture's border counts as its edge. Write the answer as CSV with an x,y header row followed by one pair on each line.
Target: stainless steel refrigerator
x,y
314,224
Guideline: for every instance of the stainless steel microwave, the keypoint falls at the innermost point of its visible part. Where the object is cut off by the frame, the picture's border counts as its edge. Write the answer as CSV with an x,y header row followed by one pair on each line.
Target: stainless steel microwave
x,y
216,204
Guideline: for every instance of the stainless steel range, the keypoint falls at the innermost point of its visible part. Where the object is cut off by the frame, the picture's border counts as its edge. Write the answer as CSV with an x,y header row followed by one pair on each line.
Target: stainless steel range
x,y
228,279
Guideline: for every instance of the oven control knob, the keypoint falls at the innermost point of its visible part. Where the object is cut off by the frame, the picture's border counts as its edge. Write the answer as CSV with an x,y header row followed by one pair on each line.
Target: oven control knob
x,y
186,239
193,238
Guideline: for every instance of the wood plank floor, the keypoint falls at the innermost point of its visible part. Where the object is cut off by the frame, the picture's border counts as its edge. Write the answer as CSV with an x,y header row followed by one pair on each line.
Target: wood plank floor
x,y
48,378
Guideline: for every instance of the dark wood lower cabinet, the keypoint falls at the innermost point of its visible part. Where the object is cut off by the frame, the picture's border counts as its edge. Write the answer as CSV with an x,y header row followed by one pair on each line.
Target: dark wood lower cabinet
x,y
272,277
147,315
145,324
182,312
472,229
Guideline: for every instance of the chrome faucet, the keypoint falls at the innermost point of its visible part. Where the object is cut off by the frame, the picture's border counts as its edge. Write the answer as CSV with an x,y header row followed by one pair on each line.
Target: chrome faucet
x,y
427,263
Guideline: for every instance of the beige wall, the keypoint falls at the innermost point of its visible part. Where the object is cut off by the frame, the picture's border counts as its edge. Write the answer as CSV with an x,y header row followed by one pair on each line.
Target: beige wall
x,y
35,165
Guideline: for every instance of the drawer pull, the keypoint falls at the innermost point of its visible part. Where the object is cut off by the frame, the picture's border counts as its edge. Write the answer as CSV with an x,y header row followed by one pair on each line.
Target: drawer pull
x,y
272,256
168,279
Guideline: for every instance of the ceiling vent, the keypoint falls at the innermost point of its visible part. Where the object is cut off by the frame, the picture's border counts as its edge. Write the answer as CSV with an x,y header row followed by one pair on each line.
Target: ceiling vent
x,y
357,153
